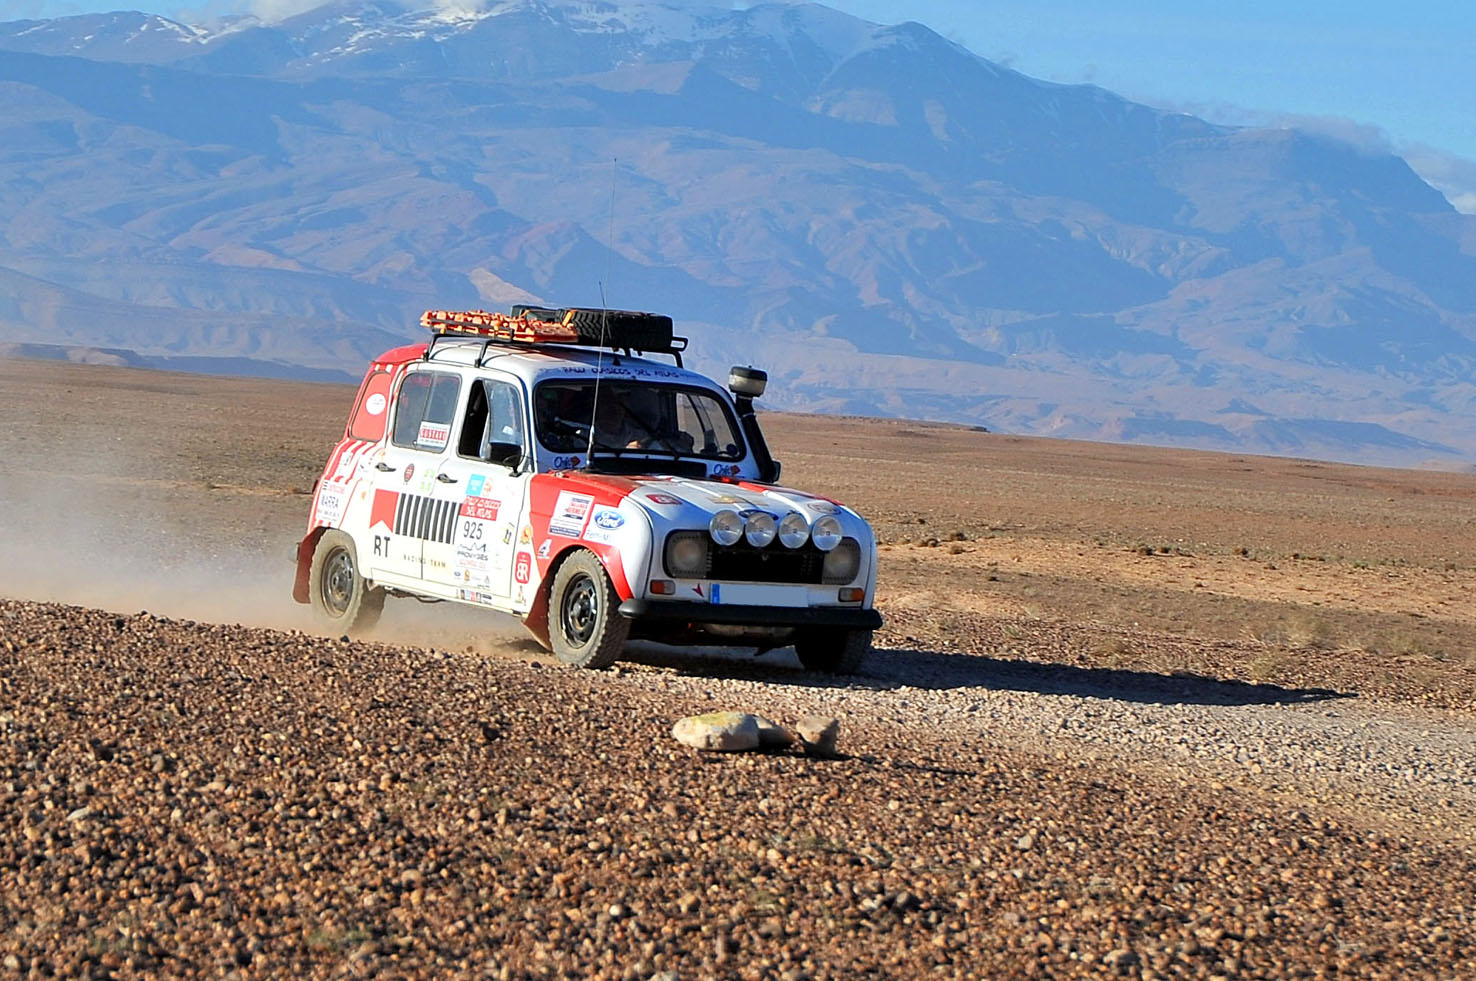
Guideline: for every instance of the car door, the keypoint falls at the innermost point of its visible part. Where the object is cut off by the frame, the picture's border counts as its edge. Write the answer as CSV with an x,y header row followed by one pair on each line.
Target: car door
x,y
404,512
484,478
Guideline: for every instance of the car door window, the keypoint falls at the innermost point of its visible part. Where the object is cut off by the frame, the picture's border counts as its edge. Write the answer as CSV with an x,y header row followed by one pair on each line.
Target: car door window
x,y
425,410
494,414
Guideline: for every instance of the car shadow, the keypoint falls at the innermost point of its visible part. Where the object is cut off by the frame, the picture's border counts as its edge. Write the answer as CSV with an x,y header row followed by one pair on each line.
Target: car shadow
x,y
892,668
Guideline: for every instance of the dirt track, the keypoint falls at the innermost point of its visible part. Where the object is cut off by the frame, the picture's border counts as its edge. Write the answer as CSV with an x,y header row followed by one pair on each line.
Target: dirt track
x,y
1142,713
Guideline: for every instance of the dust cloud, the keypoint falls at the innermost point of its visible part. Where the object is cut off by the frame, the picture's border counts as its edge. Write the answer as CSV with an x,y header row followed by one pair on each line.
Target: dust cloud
x,y
104,527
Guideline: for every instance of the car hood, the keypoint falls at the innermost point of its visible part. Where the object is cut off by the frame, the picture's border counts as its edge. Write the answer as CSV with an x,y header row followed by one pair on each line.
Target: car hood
x,y
669,496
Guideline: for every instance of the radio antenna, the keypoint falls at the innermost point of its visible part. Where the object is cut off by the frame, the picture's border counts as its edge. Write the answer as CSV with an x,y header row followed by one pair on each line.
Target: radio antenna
x,y
604,315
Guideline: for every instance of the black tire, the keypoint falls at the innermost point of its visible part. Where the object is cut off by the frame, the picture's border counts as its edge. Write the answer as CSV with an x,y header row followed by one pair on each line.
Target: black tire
x,y
623,328
341,597
833,651
584,627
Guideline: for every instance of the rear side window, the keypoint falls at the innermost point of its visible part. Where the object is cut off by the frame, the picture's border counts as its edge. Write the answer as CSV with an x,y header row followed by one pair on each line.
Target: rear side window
x,y
371,411
425,409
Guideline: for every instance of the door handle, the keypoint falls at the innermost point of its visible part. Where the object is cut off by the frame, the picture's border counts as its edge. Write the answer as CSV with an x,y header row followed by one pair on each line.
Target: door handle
x,y
445,478
384,467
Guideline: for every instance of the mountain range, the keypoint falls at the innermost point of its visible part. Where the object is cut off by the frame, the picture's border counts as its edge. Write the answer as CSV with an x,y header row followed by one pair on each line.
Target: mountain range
x,y
888,222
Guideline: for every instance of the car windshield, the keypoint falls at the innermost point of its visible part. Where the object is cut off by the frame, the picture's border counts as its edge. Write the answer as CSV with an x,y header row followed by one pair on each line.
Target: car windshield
x,y
635,417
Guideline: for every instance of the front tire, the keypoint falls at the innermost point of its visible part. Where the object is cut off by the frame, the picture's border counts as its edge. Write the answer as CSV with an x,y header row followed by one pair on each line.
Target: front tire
x,y
833,651
341,597
584,628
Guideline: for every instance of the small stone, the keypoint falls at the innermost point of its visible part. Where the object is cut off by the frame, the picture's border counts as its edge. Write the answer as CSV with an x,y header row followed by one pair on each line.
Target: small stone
x,y
1025,842
817,734
1121,959
723,732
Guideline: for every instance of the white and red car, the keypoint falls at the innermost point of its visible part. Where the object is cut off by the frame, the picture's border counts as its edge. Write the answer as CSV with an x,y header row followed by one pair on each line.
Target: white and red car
x,y
532,463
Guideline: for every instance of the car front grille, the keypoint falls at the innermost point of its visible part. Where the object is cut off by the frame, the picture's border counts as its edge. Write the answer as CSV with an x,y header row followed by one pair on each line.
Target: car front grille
x,y
775,563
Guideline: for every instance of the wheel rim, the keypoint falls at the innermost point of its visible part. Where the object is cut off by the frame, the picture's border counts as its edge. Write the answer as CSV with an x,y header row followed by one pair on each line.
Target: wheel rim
x,y
338,582
580,611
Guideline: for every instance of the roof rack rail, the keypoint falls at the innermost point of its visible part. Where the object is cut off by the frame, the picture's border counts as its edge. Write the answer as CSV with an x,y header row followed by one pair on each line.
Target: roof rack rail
x,y
620,330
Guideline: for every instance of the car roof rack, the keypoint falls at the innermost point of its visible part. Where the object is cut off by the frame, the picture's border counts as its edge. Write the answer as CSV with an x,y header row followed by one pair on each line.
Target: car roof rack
x,y
628,331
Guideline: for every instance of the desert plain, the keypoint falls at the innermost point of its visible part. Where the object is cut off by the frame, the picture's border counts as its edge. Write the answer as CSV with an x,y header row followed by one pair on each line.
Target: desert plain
x,y
1135,713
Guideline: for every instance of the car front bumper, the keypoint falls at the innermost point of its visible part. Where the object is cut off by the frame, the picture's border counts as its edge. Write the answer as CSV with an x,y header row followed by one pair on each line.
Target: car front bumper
x,y
736,615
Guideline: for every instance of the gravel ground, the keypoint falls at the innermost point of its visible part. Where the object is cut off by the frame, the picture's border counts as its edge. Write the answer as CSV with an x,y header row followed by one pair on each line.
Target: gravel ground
x,y
1393,765
179,799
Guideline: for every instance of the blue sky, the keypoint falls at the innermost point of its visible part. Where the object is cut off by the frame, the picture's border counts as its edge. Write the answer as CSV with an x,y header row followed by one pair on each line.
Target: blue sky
x,y
1392,75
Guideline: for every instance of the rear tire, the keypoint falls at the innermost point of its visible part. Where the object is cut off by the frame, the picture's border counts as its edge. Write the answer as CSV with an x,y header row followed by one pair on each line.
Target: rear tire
x,y
341,597
584,627
833,651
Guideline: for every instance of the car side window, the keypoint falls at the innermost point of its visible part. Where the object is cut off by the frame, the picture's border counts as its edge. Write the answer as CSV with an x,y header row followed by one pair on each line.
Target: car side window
x,y
369,418
507,413
425,410
494,414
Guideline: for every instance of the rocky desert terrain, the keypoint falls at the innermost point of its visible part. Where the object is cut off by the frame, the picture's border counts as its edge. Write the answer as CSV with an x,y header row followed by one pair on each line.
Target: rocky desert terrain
x,y
1135,713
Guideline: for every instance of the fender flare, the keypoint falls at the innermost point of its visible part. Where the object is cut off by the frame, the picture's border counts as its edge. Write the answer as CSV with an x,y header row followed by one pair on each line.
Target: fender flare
x,y
536,619
305,550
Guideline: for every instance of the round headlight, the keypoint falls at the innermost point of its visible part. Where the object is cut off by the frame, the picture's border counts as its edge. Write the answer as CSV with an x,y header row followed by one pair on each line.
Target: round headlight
x,y
793,530
761,529
826,533
726,527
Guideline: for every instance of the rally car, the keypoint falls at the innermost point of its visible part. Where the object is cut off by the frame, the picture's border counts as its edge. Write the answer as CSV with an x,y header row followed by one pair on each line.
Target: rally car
x,y
543,463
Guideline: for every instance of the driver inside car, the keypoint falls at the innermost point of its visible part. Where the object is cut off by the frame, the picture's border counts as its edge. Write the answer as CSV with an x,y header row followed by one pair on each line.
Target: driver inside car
x,y
627,418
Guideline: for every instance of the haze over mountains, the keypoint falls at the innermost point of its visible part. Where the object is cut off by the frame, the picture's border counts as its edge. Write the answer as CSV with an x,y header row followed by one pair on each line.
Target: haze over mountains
x,y
886,221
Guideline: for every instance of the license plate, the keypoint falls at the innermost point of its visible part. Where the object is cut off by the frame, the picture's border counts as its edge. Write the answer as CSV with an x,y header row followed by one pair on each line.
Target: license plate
x,y
759,594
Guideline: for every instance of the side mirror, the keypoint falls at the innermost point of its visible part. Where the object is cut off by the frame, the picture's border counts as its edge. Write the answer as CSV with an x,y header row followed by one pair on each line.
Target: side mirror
x,y
508,455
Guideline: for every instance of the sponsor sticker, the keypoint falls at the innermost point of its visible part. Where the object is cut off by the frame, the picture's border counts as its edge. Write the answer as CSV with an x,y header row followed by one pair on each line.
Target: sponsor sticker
x,y
330,504
433,435
604,523
525,537
725,470
523,569
472,565
665,500
570,513
566,463
480,508
374,404
409,472
822,507
545,548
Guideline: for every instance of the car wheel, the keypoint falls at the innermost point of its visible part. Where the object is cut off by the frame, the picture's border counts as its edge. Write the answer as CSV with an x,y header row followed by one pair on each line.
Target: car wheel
x,y
585,628
833,651
341,597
